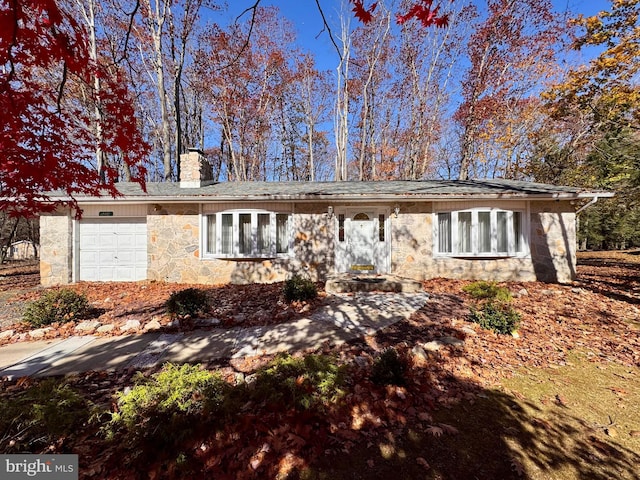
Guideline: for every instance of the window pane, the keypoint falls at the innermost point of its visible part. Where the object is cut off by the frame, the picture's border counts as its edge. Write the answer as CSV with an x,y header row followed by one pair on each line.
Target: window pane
x,y
341,227
381,227
282,235
503,240
484,232
444,232
211,234
517,231
264,233
464,232
244,240
226,234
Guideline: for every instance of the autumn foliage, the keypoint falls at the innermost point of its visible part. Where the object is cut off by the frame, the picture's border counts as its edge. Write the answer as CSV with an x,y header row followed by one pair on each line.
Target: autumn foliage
x,y
47,136
423,11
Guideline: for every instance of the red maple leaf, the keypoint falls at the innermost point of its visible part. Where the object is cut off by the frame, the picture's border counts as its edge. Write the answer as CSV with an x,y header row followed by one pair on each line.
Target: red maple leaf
x,y
365,15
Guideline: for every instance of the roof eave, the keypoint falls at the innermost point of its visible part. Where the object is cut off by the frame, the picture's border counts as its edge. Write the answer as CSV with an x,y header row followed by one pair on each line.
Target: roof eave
x,y
335,197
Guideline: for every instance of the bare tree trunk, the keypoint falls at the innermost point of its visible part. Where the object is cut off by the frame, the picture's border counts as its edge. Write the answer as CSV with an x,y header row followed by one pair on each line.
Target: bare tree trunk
x,y
156,17
368,93
88,10
342,105
467,144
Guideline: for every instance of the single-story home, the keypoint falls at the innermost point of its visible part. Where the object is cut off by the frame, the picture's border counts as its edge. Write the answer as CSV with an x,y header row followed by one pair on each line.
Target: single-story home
x,y
200,231
22,250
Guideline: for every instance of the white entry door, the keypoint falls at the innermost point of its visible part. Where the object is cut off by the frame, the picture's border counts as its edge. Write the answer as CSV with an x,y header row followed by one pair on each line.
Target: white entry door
x,y
360,233
112,249
361,243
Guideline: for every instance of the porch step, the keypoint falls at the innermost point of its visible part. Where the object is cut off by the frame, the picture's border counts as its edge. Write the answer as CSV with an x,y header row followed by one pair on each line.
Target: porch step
x,y
371,283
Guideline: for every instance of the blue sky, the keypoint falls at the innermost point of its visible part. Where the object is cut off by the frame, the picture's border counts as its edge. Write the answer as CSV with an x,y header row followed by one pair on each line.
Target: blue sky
x,y
308,22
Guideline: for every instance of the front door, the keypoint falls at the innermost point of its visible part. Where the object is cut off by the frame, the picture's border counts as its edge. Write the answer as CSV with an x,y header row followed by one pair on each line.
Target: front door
x,y
361,241
360,232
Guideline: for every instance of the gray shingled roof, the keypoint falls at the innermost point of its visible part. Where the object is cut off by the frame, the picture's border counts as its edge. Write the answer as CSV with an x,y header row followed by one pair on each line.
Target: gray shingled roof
x,y
353,191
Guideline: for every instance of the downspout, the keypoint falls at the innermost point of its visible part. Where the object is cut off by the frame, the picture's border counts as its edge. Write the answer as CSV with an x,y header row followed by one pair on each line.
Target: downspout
x,y
587,205
582,209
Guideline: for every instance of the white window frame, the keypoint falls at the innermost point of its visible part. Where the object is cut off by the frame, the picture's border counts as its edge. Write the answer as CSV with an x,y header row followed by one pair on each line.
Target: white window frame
x,y
235,250
475,240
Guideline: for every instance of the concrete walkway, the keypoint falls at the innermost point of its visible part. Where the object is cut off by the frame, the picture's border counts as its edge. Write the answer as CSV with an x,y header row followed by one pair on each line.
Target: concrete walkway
x,y
341,318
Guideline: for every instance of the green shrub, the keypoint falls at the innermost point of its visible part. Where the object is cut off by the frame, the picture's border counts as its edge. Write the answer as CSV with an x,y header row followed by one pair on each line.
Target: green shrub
x,y
186,389
388,369
299,288
187,302
56,306
166,406
488,291
41,414
313,381
496,316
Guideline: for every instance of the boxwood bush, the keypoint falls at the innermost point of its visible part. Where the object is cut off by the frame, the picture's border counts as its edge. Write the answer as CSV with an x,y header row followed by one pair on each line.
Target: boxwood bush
x,y
187,302
56,306
298,288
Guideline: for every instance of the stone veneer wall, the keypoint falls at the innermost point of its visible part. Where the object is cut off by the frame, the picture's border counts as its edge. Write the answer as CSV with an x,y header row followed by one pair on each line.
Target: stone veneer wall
x,y
553,241
55,249
174,255
552,244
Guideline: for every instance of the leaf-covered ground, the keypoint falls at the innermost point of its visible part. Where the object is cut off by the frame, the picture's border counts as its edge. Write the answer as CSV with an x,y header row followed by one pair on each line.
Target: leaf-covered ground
x,y
455,416
116,303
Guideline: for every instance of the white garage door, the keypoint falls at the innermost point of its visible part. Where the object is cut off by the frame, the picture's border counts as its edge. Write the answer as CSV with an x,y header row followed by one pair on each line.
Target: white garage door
x,y
113,249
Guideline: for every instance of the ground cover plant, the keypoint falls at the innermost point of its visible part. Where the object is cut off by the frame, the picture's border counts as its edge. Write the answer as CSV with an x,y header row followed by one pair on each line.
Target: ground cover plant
x,y
494,407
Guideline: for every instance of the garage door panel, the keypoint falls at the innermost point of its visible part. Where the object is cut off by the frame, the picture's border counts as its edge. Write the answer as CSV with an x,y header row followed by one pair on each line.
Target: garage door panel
x,y
112,249
125,256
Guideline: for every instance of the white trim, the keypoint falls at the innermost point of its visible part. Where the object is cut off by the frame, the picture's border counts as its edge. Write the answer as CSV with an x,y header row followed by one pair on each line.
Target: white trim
x,y
474,232
381,251
235,225
76,232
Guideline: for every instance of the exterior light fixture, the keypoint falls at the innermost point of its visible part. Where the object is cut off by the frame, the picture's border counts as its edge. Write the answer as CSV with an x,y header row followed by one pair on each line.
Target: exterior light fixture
x,y
396,210
330,211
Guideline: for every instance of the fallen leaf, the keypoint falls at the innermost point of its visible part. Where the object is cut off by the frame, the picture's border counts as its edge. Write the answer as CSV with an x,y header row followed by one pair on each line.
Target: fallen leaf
x,y
423,463
425,417
450,429
620,391
435,431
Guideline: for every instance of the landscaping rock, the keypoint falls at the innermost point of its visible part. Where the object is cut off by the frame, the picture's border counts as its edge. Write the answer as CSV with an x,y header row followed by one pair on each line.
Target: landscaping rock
x,y
105,328
7,334
152,325
130,325
419,356
240,318
432,346
87,326
469,331
361,361
206,322
523,292
456,342
39,332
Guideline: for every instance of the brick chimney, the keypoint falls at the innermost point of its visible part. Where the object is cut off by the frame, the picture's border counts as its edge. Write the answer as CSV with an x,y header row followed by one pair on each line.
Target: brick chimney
x,y
195,170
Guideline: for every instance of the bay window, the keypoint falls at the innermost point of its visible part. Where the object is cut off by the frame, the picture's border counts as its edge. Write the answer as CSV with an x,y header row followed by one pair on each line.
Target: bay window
x,y
246,234
487,232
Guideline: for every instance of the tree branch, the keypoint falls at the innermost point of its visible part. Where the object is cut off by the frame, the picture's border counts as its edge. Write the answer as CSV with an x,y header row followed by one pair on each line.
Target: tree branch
x,y
328,29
